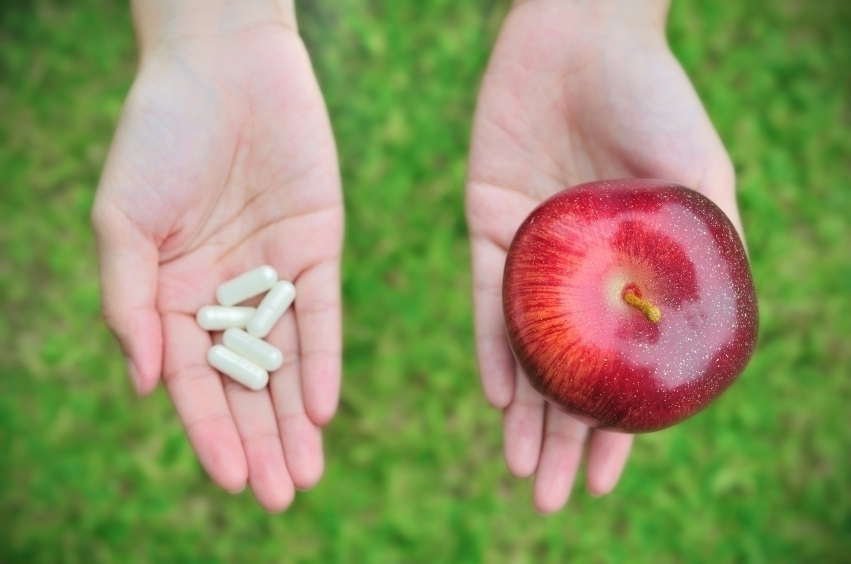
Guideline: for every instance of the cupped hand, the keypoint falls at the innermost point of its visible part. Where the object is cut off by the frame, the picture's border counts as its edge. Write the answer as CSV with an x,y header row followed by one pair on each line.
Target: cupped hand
x,y
223,161
574,92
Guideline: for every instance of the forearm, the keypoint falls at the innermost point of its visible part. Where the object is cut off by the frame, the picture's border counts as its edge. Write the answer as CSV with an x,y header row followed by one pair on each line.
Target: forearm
x,y
163,22
652,14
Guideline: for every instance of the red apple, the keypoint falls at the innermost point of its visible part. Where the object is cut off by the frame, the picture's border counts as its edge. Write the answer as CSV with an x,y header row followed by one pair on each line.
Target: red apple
x,y
629,303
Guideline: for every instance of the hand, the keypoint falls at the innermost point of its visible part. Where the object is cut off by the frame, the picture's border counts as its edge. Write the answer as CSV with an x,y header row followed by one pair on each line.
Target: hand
x,y
574,92
223,161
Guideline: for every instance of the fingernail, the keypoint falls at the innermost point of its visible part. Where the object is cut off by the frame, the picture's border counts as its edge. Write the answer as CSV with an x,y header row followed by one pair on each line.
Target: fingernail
x,y
237,491
597,494
134,375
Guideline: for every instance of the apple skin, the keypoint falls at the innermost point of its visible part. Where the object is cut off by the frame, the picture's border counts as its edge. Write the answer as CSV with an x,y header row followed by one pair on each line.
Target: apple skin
x,y
590,353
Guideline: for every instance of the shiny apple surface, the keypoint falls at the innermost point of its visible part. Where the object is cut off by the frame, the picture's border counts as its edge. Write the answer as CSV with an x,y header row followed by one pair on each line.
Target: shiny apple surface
x,y
577,337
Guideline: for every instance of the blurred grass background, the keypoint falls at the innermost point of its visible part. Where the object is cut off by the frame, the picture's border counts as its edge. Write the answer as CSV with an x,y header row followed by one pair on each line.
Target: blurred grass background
x,y
90,474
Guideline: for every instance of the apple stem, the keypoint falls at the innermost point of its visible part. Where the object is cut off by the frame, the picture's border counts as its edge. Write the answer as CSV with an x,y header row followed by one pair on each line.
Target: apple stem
x,y
650,311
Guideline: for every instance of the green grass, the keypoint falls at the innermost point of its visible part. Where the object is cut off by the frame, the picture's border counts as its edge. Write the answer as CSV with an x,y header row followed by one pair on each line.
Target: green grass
x,y
90,474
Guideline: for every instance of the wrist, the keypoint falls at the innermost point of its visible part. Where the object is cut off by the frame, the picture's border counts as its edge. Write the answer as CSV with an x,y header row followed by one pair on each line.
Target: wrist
x,y
161,23
645,15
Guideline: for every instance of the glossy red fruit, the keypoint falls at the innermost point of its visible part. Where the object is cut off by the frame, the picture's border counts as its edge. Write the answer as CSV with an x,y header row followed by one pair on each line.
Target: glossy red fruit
x,y
629,303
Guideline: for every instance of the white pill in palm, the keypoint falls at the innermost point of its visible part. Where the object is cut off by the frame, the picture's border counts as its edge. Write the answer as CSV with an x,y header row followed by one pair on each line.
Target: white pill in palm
x,y
246,285
237,367
256,350
219,318
270,310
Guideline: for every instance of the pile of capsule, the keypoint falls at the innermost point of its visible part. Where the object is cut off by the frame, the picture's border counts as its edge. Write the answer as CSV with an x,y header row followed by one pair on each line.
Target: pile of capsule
x,y
245,356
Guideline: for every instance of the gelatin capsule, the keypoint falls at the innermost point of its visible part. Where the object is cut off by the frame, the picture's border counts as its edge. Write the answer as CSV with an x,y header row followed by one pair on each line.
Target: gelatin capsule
x,y
270,310
219,318
246,285
240,369
256,350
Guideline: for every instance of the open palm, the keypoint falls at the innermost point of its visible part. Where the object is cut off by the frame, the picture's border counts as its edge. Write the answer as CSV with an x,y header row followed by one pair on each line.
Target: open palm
x,y
223,161
571,97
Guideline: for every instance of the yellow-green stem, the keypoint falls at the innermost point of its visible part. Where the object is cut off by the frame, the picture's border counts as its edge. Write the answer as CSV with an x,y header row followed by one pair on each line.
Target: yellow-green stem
x,y
650,311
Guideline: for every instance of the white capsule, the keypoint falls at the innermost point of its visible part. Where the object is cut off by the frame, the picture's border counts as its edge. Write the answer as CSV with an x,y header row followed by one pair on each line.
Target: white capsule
x,y
246,285
256,350
218,318
270,310
240,369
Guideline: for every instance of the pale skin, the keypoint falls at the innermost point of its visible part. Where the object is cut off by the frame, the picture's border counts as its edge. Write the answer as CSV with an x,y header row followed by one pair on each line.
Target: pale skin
x,y
224,160
575,91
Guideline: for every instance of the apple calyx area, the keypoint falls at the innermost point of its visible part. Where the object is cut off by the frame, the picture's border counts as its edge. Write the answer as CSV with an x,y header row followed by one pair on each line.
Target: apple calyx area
x,y
632,296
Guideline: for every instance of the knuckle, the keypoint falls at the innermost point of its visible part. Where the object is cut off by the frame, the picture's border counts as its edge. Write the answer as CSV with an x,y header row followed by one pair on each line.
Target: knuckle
x,y
319,307
113,316
101,216
187,373
205,422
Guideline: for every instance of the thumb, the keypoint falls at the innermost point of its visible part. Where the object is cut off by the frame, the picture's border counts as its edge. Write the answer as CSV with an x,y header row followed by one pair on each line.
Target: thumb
x,y
128,262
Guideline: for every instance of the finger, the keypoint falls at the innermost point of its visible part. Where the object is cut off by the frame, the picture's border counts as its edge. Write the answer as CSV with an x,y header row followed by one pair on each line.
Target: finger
x,y
255,420
607,456
317,310
496,361
523,424
196,390
128,262
719,185
302,439
561,454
